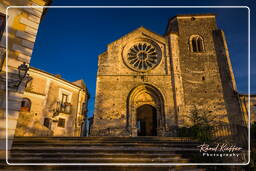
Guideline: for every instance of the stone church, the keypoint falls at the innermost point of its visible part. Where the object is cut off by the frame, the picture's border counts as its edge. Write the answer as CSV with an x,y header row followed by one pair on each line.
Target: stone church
x,y
147,84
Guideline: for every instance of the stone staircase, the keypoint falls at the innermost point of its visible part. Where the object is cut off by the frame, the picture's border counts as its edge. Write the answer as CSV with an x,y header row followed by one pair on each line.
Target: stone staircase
x,y
108,150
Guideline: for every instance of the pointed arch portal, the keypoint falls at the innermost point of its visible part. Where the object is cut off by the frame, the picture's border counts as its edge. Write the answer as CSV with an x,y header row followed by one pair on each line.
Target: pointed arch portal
x,y
145,111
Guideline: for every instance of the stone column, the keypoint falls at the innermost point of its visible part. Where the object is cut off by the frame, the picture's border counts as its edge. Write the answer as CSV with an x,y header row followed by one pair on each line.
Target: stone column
x,y
22,27
177,78
10,113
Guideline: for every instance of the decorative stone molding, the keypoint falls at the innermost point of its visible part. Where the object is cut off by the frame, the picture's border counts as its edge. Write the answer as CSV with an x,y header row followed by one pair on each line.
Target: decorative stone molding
x,y
158,99
142,55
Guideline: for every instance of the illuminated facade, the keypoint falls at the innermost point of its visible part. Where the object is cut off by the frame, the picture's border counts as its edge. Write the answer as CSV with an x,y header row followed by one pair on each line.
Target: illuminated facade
x,y
52,106
147,83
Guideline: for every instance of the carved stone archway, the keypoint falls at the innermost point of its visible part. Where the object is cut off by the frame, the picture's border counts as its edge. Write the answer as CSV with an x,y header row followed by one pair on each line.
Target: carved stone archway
x,y
141,95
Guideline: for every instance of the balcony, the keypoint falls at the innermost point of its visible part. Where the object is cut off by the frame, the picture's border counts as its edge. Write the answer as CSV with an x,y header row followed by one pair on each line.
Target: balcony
x,y
65,108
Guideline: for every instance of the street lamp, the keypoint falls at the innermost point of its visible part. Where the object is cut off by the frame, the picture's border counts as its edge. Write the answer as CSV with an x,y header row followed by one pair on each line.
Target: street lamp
x,y
23,76
23,69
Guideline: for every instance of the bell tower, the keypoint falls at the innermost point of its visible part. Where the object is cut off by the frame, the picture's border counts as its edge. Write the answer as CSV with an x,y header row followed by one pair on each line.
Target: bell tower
x,y
201,68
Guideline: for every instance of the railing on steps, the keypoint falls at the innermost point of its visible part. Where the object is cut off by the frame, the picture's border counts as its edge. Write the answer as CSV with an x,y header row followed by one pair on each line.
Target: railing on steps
x,y
221,134
231,133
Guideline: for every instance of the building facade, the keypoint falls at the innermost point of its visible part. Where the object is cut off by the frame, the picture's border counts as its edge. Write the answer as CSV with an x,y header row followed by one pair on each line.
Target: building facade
x,y
22,30
147,84
248,107
52,106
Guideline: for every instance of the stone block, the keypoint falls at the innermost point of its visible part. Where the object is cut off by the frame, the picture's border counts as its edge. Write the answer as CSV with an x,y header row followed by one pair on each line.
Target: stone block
x,y
27,44
26,35
30,30
29,23
22,49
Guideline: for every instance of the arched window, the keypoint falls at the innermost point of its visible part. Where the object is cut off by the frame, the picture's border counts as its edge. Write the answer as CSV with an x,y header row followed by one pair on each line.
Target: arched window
x,y
25,105
196,43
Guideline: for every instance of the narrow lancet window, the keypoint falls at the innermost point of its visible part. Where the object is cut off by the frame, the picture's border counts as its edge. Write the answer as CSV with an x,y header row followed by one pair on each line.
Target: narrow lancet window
x,y
196,43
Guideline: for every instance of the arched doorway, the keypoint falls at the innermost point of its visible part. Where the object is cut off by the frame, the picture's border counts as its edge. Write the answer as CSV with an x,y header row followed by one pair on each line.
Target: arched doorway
x,y
141,100
146,120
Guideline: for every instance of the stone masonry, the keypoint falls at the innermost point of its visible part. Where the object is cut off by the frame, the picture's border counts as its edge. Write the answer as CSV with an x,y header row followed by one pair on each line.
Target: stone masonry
x,y
23,25
187,67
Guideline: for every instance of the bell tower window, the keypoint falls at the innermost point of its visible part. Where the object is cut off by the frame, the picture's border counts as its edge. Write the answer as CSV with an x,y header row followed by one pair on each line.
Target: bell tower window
x,y
196,43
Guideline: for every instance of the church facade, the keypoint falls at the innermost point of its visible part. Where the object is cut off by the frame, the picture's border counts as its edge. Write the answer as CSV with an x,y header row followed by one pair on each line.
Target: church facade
x,y
148,84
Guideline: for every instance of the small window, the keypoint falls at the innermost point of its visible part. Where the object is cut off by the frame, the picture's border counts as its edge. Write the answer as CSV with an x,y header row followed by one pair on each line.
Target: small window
x,y
2,24
196,43
64,98
25,105
47,122
61,123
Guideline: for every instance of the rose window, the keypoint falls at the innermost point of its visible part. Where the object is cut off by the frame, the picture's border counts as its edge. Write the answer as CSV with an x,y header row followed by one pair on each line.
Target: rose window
x,y
143,56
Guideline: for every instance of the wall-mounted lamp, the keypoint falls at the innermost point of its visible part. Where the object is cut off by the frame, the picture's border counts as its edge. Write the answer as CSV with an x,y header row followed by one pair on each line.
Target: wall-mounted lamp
x,y
23,73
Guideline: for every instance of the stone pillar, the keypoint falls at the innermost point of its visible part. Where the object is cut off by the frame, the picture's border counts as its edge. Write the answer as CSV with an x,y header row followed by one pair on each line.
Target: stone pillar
x,y
9,115
22,27
177,78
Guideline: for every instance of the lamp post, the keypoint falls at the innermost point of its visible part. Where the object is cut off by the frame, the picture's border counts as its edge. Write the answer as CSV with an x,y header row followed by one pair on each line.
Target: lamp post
x,y
23,76
23,69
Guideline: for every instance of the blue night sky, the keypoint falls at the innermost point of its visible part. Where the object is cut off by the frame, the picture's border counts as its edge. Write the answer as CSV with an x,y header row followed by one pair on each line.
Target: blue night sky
x,y
70,40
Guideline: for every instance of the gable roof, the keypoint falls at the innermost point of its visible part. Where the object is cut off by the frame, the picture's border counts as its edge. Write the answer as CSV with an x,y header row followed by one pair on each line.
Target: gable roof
x,y
80,83
140,29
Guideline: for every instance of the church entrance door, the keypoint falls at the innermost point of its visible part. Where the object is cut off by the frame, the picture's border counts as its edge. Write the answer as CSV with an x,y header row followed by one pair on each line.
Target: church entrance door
x,y
146,120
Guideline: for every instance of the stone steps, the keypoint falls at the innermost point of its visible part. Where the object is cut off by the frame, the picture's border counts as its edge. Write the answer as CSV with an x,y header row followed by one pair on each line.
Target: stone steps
x,y
108,150
103,159
111,148
90,154
104,168
77,144
100,154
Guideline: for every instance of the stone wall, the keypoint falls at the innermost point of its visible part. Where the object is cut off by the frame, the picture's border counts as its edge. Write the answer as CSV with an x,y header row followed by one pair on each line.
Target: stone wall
x,y
22,30
200,72
115,81
184,78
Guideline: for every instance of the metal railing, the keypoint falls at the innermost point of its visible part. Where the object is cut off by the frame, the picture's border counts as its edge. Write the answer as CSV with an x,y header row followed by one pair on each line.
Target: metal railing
x,y
231,133
65,108
236,134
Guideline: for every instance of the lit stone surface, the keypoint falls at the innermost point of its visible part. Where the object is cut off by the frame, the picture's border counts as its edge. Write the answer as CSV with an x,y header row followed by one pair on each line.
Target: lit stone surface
x,y
45,91
172,73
